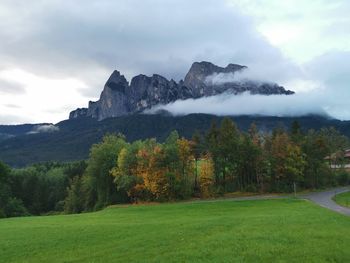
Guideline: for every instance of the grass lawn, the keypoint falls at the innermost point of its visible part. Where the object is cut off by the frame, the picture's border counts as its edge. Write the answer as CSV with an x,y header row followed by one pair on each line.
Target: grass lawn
x,y
284,230
343,199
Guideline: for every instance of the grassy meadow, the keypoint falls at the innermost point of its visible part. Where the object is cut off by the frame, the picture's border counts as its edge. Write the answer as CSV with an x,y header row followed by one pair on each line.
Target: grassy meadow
x,y
285,230
343,199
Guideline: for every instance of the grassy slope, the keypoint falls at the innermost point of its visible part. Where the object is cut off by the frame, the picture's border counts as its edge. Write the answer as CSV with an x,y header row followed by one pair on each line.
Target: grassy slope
x,y
343,199
222,231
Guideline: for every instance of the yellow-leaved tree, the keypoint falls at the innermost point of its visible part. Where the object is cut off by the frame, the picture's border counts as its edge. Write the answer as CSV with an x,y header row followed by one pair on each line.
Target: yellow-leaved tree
x,y
206,176
152,172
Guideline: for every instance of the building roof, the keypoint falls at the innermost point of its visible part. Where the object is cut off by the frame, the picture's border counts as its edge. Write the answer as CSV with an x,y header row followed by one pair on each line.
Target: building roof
x,y
338,155
347,153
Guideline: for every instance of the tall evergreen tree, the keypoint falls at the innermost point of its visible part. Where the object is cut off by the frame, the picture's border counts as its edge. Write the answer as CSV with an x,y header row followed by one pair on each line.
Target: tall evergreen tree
x,y
102,159
197,149
296,133
74,202
228,143
212,145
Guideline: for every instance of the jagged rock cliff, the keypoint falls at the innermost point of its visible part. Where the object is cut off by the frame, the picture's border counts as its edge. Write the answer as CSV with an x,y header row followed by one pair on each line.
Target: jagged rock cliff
x,y
120,98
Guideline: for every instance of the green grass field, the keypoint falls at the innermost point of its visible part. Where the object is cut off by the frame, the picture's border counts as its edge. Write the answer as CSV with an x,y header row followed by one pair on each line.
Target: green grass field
x,y
343,199
284,230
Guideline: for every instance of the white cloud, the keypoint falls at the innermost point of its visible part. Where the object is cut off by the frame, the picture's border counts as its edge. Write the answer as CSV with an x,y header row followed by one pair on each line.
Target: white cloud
x,y
47,128
245,104
301,29
323,89
46,99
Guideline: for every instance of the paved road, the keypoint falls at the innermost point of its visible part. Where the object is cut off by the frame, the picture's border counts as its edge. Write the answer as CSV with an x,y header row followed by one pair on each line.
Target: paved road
x,y
242,198
325,199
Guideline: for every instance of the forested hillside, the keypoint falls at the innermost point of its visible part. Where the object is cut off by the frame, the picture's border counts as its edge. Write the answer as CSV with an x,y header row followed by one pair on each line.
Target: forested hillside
x,y
10,131
221,160
73,138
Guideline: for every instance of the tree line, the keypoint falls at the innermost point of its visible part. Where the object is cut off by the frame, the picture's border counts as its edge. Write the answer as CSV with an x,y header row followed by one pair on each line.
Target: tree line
x,y
222,160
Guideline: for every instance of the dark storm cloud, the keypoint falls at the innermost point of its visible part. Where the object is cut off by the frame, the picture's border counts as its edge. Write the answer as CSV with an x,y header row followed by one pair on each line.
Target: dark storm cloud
x,y
88,39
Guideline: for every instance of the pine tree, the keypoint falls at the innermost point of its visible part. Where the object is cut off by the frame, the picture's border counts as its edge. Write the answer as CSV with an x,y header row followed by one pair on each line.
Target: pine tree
x,y
74,202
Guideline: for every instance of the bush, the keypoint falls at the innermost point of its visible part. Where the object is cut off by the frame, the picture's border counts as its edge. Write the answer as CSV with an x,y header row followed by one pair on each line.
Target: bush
x,y
2,213
251,188
15,207
343,177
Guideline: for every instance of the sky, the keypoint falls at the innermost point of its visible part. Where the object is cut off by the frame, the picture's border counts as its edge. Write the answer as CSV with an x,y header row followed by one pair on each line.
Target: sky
x,y
56,55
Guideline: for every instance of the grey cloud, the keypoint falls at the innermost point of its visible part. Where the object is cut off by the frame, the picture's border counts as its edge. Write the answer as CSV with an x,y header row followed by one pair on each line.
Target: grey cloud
x,y
267,74
11,87
81,37
331,98
87,39
330,65
332,69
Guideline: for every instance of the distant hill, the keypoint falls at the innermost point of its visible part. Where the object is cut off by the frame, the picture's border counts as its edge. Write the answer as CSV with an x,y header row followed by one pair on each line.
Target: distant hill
x,y
10,131
72,139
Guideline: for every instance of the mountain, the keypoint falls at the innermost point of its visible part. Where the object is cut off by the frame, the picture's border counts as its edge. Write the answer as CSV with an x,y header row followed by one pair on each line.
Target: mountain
x,y
72,139
119,98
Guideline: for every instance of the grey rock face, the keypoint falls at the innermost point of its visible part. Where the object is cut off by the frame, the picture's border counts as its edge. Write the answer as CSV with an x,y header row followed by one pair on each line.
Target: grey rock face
x,y
145,92
118,98
80,112
113,101
195,79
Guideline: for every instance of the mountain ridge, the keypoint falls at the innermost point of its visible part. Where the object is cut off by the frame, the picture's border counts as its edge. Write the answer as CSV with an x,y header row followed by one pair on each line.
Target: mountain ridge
x,y
9,131
74,137
119,97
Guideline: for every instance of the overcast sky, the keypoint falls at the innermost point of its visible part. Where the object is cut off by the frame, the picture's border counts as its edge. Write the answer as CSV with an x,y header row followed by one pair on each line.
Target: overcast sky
x,y
56,55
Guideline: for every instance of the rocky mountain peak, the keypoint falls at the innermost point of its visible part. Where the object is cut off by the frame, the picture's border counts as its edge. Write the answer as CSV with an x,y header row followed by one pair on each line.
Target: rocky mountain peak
x,y
198,73
233,68
117,82
200,70
121,98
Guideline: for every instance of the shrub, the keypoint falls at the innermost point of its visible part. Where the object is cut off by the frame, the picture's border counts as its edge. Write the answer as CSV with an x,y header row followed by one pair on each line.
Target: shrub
x,y
15,207
343,177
